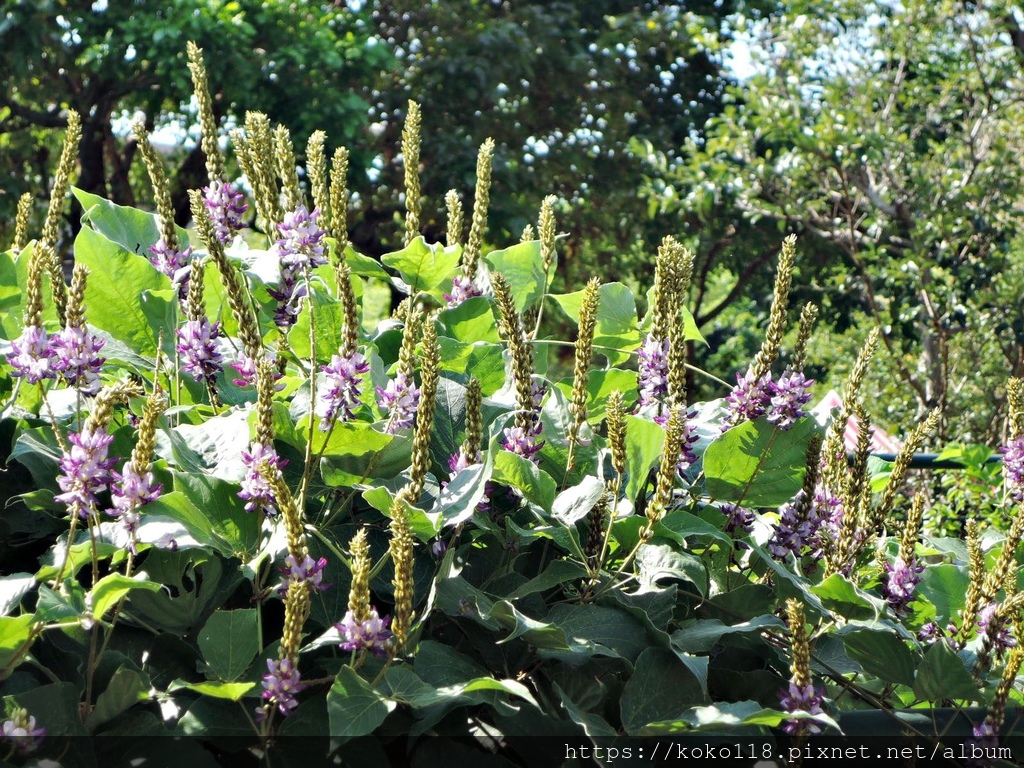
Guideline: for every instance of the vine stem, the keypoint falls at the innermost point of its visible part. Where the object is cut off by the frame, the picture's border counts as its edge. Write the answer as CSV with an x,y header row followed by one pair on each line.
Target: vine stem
x,y
308,458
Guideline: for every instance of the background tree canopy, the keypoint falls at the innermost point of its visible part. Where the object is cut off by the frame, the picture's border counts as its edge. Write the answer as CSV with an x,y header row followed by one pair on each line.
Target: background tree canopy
x,y
887,136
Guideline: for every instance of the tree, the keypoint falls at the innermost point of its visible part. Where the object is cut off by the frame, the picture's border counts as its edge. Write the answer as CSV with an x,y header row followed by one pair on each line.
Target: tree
x,y
890,137
304,64
566,90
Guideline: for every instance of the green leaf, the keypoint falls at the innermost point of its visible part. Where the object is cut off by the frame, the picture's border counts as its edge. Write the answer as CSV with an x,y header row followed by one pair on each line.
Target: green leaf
x,y
229,691
944,586
725,715
234,531
523,268
700,636
645,441
557,573
127,296
347,439
592,725
132,229
113,587
362,452
13,587
125,689
456,597
55,607
661,688
841,595
10,294
536,485
472,320
600,385
617,325
229,641
595,625
482,359
757,464
657,561
575,503
364,266
354,708
14,631
197,582
942,675
423,266
328,317
882,654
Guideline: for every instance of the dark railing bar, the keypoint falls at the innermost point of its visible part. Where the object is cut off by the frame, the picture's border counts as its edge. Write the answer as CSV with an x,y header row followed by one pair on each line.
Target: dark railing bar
x,y
929,460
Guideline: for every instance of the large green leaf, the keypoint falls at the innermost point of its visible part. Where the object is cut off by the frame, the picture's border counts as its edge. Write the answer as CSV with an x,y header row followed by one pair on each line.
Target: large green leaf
x,y
229,641
112,588
600,385
354,708
758,464
523,268
595,625
126,296
10,296
328,317
881,653
423,266
944,585
132,229
536,485
942,675
472,320
617,330
645,442
661,688
125,689
196,582
235,531
841,595
14,631
700,636
481,359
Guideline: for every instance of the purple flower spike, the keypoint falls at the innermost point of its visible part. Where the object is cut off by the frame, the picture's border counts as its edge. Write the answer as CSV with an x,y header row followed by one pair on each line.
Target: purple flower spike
x,y
1013,467
749,398
255,489
197,349
86,470
302,242
399,400
805,699
339,399
652,378
898,588
173,263
246,369
226,205
462,288
76,356
737,518
789,395
522,443
281,685
21,732
371,635
1003,639
131,492
32,355
310,571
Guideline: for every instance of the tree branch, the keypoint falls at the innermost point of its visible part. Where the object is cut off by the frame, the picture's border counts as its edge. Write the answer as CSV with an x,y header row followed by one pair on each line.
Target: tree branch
x,y
741,282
